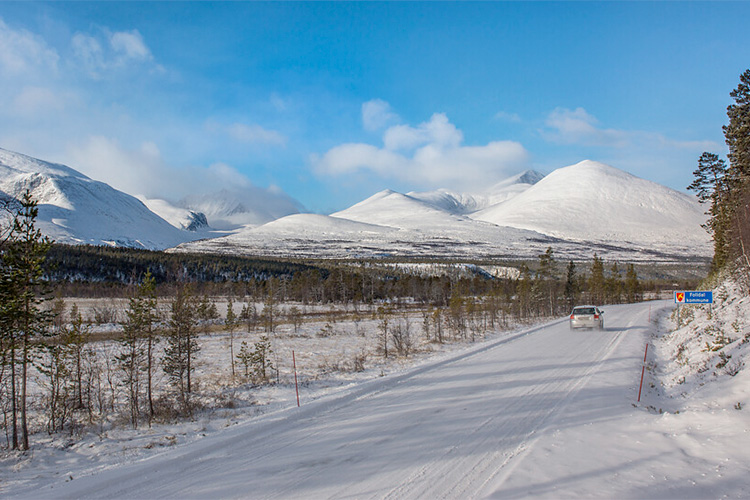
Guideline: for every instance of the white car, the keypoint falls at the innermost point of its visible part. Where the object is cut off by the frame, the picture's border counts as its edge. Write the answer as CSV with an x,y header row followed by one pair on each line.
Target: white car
x,y
587,317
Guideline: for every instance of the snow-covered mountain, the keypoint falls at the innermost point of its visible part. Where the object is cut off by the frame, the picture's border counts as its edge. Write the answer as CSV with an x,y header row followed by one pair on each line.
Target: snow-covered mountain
x,y
584,208
78,210
596,202
578,210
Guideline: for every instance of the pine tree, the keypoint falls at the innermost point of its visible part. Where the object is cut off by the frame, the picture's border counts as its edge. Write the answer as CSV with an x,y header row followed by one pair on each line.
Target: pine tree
x,y
545,285
712,186
132,355
182,345
737,131
76,338
245,357
23,320
261,359
270,310
149,316
737,135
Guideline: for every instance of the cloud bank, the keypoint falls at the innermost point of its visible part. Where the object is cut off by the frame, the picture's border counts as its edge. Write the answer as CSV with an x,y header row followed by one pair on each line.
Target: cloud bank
x,y
577,126
429,155
143,171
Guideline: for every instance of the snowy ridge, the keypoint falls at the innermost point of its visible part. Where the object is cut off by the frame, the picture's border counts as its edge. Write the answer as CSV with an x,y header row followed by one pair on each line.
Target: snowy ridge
x,y
181,218
75,209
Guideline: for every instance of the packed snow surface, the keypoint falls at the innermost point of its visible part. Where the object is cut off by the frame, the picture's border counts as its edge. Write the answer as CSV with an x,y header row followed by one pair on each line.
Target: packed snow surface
x,y
543,413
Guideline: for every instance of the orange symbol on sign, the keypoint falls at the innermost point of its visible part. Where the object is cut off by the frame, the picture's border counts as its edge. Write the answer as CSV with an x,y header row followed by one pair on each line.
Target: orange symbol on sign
x,y
680,297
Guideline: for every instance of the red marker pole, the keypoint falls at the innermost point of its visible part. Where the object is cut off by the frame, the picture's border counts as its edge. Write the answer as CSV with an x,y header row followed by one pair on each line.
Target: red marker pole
x,y
643,371
296,388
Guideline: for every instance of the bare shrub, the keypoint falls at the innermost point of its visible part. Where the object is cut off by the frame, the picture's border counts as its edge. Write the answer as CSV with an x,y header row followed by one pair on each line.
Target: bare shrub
x,y
358,361
103,315
402,338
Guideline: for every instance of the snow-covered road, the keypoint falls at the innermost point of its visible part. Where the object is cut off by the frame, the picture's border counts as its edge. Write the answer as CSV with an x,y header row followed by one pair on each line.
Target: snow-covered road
x,y
507,418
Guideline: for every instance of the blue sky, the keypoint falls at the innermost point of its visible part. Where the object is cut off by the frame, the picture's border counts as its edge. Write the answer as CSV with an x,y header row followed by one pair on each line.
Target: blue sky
x,y
328,103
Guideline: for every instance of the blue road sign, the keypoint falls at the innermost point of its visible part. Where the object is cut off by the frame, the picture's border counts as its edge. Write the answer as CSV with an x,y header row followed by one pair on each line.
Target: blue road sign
x,y
694,297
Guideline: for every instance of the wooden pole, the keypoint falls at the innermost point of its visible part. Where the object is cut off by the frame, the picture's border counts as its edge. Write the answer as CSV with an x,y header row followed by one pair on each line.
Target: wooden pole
x,y
643,371
296,387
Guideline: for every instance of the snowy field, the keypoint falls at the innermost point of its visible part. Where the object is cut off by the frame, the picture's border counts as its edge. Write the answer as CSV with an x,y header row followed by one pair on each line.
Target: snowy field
x,y
542,412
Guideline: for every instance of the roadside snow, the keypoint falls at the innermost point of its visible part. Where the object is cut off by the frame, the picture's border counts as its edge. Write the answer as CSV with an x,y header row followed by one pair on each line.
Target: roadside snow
x,y
540,413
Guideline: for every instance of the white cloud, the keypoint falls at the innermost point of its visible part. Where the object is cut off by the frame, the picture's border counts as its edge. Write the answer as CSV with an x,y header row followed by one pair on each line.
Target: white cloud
x,y
143,172
279,103
109,51
429,155
89,51
130,45
255,134
349,158
577,126
508,117
32,101
439,130
22,52
377,114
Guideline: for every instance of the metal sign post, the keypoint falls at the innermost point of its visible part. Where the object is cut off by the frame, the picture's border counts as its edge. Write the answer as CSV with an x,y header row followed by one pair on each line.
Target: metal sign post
x,y
692,297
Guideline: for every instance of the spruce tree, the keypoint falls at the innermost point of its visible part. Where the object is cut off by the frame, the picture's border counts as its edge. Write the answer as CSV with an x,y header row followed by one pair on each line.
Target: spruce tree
x,y
632,285
596,281
572,285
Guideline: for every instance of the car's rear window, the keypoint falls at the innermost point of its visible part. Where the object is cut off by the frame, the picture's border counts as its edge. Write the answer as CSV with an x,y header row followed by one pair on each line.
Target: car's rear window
x,y
583,310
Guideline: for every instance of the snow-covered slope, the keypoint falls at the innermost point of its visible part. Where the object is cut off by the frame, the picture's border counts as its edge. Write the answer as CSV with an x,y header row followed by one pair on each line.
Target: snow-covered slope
x,y
179,217
465,203
390,208
593,201
78,210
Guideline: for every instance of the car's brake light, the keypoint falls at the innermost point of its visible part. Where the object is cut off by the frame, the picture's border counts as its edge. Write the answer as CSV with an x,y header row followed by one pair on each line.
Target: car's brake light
x,y
596,316
572,316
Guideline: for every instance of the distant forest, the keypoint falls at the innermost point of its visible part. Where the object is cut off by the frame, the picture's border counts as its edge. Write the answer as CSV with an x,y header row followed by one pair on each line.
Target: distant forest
x,y
98,271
